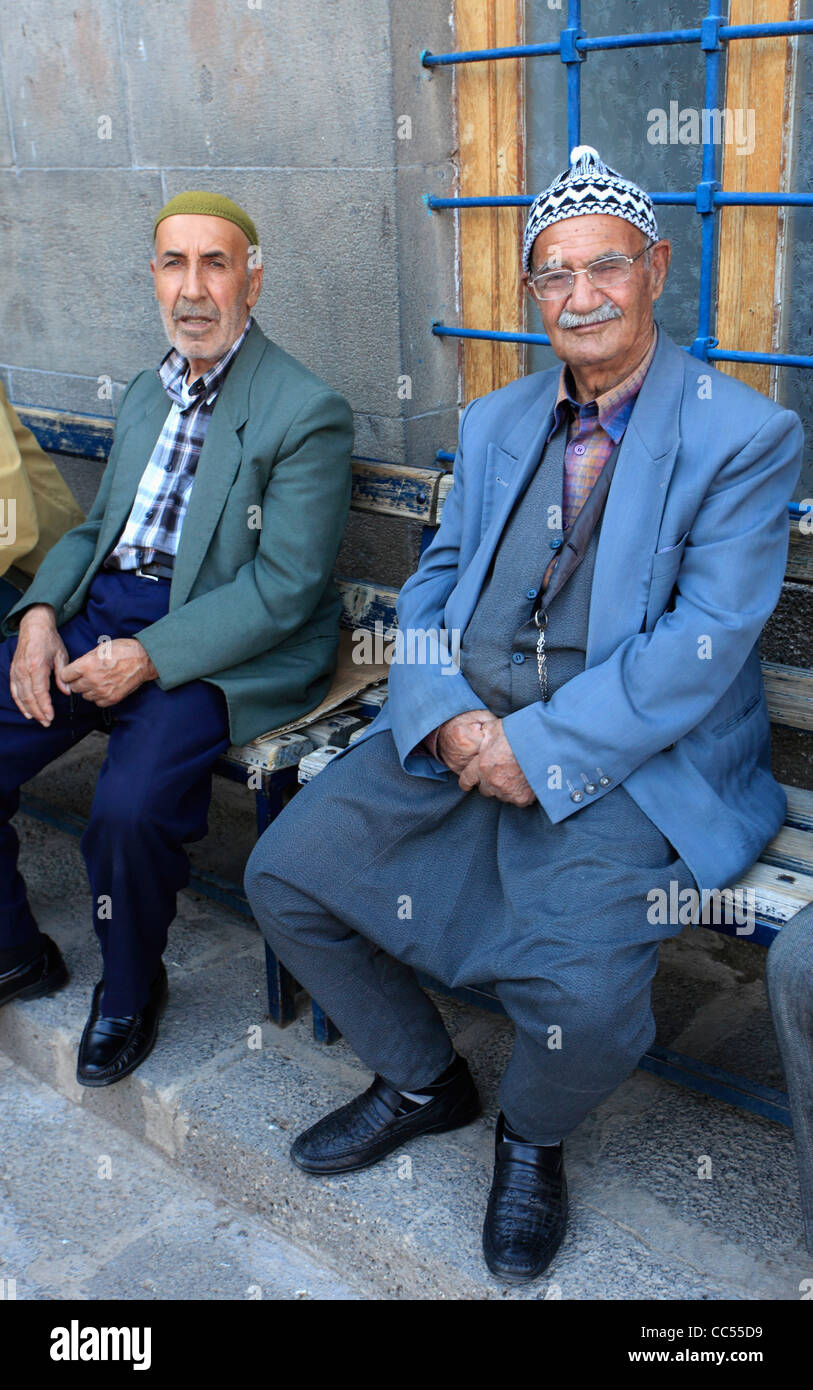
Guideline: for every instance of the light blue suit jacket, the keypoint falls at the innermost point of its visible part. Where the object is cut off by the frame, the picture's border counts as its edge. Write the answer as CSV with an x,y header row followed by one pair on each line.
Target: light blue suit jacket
x,y
689,567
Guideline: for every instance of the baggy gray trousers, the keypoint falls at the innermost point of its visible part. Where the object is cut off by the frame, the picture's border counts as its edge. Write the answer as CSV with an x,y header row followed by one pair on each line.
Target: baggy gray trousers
x,y
371,874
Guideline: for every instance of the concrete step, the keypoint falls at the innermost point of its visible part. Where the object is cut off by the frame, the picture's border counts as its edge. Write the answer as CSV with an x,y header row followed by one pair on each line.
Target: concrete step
x,y
89,1213
224,1093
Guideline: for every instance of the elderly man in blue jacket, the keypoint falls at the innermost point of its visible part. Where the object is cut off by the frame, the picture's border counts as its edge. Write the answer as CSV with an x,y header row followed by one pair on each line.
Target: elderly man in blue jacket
x,y
585,735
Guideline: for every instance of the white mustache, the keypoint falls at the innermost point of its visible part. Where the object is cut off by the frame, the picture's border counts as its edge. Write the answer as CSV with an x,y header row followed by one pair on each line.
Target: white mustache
x,y
602,314
192,314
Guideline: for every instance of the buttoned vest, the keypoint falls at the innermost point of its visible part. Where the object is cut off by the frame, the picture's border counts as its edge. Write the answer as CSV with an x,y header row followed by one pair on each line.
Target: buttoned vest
x,y
498,648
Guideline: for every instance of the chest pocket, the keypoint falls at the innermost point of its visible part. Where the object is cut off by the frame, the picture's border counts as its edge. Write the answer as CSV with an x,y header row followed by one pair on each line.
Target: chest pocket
x,y
665,566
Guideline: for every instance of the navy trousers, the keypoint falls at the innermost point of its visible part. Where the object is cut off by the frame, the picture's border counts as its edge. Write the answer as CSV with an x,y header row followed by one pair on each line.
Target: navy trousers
x,y
8,596
152,794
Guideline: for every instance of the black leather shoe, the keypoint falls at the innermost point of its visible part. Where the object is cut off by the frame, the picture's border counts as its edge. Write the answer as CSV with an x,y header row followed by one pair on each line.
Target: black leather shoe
x,y
370,1127
527,1209
113,1047
44,974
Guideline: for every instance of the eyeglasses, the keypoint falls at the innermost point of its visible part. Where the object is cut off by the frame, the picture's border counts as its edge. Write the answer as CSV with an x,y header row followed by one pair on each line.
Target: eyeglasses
x,y
603,274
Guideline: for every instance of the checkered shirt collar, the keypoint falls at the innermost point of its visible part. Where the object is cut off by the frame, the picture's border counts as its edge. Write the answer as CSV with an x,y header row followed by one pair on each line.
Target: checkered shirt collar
x,y
172,371
615,405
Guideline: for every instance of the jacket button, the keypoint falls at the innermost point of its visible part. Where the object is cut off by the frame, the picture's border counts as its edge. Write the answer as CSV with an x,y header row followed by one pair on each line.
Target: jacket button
x,y
576,796
590,787
556,544
604,781
531,593
517,658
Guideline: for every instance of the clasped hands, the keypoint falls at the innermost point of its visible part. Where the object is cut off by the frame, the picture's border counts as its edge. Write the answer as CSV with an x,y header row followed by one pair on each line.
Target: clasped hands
x,y
104,675
474,746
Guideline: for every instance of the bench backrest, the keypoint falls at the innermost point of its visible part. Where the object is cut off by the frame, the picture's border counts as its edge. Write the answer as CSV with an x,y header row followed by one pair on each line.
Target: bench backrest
x,y
417,495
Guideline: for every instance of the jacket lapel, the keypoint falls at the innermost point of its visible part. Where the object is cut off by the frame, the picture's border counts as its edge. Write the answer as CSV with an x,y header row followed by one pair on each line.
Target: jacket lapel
x,y
510,467
218,463
134,444
634,507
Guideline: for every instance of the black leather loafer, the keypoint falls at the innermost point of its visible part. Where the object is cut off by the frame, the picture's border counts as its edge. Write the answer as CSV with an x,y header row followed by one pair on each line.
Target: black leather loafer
x,y
527,1209
113,1047
44,974
370,1127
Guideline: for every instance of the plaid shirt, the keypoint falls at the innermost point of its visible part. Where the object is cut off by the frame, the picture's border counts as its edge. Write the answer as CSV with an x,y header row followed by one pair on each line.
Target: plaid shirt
x,y
594,428
153,528
593,431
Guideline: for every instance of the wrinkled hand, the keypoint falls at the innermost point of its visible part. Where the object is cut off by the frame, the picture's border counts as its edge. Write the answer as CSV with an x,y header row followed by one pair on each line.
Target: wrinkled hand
x,y
40,650
110,672
459,739
494,771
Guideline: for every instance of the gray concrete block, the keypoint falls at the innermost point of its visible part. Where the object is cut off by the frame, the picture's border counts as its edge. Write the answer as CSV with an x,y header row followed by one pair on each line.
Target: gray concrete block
x,y
64,84
330,294
380,437
436,429
275,85
204,1250
88,307
87,395
428,290
378,548
422,94
6,144
88,1214
48,1153
748,1208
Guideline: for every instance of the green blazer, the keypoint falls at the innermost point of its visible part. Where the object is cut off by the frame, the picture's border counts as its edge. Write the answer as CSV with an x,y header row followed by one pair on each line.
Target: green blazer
x,y
252,606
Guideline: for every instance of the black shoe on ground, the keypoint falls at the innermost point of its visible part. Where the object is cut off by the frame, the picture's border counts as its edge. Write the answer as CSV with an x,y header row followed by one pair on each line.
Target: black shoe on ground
x,y
43,974
113,1047
372,1125
527,1209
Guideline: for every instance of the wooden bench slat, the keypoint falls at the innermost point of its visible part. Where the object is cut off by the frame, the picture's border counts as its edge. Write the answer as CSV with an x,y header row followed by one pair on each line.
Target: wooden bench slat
x,y
388,489
778,893
393,490
790,695
270,754
444,488
789,689
62,432
791,849
800,556
364,604
800,807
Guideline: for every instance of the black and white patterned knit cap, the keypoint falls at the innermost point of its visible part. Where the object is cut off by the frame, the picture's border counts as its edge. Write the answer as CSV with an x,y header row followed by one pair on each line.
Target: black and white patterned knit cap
x,y
588,186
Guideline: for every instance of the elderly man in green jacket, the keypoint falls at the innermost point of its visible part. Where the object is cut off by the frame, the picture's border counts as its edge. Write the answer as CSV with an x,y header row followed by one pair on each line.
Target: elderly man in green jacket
x,y
192,609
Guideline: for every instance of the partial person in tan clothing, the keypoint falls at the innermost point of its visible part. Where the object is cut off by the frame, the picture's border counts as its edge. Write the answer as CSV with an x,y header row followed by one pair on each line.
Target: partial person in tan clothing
x,y
36,505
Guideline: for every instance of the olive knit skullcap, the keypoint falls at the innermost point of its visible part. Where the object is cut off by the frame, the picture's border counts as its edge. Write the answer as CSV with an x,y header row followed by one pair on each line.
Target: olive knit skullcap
x,y
208,205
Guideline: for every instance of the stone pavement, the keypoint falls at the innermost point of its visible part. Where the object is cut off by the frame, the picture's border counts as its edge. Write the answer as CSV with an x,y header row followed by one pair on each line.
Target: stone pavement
x,y
215,1107
87,1213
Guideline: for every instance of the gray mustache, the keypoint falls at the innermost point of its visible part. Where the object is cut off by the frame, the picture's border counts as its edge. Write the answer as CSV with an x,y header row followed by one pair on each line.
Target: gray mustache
x,y
602,314
181,313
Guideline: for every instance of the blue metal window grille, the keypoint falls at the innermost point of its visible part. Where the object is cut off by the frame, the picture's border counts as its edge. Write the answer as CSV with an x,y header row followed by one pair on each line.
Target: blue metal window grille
x,y
708,195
